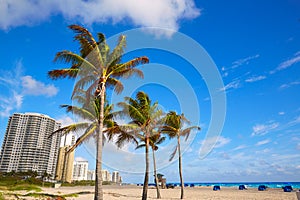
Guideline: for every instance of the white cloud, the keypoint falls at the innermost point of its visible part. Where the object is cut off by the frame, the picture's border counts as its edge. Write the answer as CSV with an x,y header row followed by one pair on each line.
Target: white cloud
x,y
65,120
36,88
281,113
243,61
287,85
14,88
141,13
263,142
255,78
232,85
262,129
216,142
240,147
286,64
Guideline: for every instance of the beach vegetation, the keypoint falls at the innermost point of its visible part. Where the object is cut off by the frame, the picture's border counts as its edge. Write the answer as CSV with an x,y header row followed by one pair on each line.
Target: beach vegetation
x,y
96,69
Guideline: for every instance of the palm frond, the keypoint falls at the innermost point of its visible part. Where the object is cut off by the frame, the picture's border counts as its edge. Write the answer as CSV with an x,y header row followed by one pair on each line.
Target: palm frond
x,y
126,137
140,146
70,128
186,132
88,46
83,113
126,70
82,138
115,84
116,55
63,73
173,154
133,112
89,81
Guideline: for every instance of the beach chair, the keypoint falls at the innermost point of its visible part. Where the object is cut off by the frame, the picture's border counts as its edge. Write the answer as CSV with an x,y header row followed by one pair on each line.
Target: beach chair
x,y
262,188
216,187
242,187
287,188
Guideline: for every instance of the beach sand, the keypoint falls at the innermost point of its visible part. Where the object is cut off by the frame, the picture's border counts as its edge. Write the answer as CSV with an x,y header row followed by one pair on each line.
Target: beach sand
x,y
132,192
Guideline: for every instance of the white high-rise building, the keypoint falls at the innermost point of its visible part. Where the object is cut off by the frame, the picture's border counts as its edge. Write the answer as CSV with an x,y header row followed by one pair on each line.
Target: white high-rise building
x,y
80,169
116,178
106,176
91,175
28,146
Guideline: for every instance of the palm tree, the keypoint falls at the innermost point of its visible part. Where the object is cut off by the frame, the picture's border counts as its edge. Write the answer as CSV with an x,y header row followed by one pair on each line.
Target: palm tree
x,y
90,126
154,140
97,68
174,128
143,115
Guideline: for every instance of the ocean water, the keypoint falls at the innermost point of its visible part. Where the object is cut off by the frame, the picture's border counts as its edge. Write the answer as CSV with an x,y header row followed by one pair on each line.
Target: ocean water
x,y
295,185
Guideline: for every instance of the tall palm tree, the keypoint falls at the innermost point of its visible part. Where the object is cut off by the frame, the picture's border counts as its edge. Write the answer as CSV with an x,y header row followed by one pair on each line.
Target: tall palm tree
x,y
143,115
154,140
96,68
174,128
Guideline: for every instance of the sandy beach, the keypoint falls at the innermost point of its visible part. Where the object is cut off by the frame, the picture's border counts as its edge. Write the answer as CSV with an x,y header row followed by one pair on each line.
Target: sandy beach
x,y
133,192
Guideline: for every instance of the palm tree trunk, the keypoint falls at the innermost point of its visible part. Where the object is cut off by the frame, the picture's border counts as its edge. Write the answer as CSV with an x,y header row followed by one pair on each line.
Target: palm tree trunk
x,y
180,169
155,175
98,184
146,179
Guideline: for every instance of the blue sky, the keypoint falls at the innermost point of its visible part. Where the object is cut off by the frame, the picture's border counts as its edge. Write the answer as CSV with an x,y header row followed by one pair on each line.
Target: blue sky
x,y
255,47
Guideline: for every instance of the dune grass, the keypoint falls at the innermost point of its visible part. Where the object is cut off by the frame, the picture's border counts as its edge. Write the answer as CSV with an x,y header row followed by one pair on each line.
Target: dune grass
x,y
25,187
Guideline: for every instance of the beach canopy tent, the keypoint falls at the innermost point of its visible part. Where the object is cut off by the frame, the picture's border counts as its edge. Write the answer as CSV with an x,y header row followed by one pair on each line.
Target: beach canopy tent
x,y
170,185
242,187
287,188
262,188
216,187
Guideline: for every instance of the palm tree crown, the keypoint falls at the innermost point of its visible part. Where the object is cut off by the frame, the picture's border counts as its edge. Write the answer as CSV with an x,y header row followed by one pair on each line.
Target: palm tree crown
x,y
173,127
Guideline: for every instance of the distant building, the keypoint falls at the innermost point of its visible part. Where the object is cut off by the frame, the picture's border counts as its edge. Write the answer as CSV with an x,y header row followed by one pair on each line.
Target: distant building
x,y
27,145
91,175
80,169
106,176
116,178
64,169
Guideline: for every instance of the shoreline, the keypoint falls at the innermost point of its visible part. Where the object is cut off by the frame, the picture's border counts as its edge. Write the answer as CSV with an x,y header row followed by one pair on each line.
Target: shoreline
x,y
133,192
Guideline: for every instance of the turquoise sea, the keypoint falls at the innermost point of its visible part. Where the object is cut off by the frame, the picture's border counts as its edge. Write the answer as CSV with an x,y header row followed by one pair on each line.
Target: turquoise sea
x,y
295,185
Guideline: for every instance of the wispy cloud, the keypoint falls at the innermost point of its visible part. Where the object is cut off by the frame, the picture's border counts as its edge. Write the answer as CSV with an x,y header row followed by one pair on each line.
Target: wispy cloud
x,y
288,63
141,13
16,87
262,142
243,61
262,129
216,142
238,63
240,147
255,78
232,85
287,85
